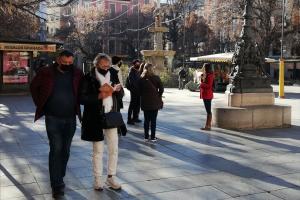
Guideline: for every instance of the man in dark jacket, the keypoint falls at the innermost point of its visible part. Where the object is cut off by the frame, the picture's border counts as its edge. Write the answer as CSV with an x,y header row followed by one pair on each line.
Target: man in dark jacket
x,y
182,75
55,93
116,64
135,100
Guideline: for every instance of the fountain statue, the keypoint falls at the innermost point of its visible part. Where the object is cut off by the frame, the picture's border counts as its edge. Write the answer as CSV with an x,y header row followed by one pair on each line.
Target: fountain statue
x,y
159,56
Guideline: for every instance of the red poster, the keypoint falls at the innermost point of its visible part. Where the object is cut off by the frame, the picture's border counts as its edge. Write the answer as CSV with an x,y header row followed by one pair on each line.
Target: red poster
x,y
15,67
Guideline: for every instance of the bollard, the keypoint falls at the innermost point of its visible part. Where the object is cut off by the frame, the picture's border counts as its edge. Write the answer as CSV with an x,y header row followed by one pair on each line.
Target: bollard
x,y
281,78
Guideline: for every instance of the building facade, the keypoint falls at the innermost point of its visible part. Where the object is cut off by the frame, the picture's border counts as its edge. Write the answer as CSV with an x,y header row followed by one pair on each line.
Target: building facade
x,y
113,15
224,19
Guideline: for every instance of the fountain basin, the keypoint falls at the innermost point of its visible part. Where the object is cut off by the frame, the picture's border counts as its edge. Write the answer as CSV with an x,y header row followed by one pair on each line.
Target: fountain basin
x,y
158,53
158,58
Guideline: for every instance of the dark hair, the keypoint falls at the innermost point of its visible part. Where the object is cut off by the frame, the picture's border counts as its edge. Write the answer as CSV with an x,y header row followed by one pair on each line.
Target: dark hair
x,y
208,68
115,60
135,61
66,53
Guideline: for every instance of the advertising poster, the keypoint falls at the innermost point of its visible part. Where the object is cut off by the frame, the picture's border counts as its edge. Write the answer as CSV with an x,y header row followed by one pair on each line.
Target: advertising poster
x,y
15,67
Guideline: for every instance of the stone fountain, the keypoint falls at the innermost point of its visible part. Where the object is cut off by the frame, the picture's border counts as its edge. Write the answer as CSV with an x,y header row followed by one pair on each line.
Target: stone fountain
x,y
159,56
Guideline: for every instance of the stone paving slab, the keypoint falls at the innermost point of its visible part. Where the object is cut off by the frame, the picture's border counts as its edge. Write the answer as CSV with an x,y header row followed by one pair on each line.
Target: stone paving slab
x,y
260,196
186,163
288,193
197,193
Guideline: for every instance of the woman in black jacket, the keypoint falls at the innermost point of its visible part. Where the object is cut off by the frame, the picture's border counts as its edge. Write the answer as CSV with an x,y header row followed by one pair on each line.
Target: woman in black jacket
x,y
151,90
95,103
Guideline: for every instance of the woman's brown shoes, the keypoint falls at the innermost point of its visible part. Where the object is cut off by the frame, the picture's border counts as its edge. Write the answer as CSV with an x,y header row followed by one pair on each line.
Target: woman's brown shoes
x,y
206,128
208,123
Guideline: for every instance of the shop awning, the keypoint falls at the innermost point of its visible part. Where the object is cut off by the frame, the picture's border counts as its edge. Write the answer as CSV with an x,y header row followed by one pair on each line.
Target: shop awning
x,y
216,58
26,45
222,58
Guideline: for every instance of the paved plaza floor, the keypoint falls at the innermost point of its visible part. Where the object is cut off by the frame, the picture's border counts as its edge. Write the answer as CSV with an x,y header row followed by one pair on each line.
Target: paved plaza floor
x,y
185,164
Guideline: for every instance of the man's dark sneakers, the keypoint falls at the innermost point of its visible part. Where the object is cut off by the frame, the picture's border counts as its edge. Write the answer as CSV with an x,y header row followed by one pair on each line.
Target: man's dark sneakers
x,y
130,122
153,140
58,193
137,120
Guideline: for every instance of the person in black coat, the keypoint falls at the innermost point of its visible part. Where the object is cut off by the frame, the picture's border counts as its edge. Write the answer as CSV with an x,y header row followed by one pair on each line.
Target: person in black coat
x,y
116,64
151,90
182,75
95,103
133,87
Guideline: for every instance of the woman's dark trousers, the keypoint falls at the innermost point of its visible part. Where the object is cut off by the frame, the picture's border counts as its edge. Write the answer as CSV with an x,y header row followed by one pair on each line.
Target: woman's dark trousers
x,y
207,104
150,119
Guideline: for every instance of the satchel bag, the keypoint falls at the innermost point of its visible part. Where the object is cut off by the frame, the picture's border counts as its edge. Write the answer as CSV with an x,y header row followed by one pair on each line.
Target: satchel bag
x,y
112,119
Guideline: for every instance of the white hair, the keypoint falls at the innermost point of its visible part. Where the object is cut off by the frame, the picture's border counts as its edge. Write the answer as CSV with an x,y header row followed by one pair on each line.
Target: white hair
x,y
99,57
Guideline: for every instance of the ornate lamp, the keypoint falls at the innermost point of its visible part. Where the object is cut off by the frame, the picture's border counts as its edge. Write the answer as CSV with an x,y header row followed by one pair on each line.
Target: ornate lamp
x,y
248,74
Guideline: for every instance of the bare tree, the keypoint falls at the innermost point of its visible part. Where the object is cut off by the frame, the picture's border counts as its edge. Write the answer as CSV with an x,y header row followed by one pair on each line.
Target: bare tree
x,y
136,37
84,32
198,36
19,18
267,23
188,32
92,32
29,7
16,24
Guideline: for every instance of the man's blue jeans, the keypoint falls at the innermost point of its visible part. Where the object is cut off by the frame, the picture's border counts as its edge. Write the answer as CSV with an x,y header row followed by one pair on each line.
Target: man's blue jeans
x,y
60,133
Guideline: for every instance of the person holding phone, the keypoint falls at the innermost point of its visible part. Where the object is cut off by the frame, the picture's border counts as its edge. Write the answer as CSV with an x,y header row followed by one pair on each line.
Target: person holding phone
x,y
99,93
206,93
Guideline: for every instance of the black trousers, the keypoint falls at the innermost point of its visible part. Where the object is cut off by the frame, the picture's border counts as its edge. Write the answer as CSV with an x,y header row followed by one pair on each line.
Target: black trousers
x,y
207,104
60,134
150,119
134,107
181,83
122,130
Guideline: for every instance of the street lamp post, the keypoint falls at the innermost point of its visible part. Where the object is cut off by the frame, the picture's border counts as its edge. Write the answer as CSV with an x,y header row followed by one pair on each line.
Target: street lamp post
x,y
281,62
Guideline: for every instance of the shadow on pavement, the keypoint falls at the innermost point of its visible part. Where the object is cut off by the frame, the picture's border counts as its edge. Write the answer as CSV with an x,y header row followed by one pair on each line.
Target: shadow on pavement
x,y
18,141
289,95
15,182
270,134
221,164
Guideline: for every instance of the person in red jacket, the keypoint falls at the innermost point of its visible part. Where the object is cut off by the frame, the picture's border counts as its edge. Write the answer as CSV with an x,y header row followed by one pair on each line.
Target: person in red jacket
x,y
206,92
55,92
